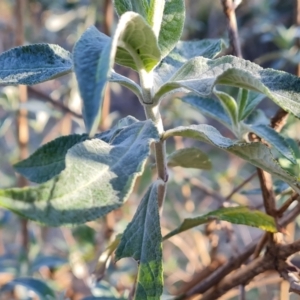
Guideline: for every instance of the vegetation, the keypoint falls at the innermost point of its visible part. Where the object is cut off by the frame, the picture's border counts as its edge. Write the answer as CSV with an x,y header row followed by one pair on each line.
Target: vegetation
x,y
82,177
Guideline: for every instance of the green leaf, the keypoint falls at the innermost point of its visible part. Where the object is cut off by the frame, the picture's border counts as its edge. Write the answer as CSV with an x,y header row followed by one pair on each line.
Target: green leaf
x,y
127,82
38,286
33,64
93,60
255,153
142,241
235,215
200,75
274,138
165,17
247,101
184,51
137,44
171,26
98,178
229,105
49,160
209,107
189,158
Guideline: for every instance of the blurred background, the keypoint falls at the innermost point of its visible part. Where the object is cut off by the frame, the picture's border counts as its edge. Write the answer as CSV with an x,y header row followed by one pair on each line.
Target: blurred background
x,y
29,117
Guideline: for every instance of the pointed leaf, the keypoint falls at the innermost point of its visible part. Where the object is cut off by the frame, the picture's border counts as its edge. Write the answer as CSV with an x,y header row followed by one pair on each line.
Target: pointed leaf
x,y
137,44
255,153
171,26
253,100
274,138
189,158
127,82
209,107
33,64
38,286
49,160
94,56
142,241
93,60
184,51
229,105
236,215
97,179
200,75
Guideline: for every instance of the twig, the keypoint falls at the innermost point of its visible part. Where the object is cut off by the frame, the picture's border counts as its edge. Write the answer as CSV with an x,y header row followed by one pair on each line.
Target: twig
x,y
44,97
242,295
229,10
260,245
236,189
22,122
287,204
235,261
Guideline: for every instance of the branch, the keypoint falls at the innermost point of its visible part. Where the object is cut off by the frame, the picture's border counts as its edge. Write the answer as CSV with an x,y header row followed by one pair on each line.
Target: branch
x,y
235,262
229,10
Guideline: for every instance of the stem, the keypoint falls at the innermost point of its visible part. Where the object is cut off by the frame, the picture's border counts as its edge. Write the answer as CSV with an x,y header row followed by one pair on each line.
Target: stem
x,y
229,10
22,122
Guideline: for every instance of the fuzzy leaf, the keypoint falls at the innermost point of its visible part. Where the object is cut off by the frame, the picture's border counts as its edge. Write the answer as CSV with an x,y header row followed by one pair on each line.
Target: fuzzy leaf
x,y
255,153
137,44
184,51
127,82
189,158
209,107
33,64
49,160
38,286
97,179
142,241
235,215
274,138
200,75
229,105
93,60
171,26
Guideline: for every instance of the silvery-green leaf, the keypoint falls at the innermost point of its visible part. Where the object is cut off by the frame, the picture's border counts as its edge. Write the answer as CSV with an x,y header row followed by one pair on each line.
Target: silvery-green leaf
x,y
209,107
98,178
184,51
36,285
93,60
33,64
189,158
49,160
251,100
255,153
200,75
127,82
171,25
142,241
235,215
229,105
274,139
137,43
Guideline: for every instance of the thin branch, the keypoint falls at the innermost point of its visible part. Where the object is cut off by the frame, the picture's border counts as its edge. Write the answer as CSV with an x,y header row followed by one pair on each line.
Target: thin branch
x,y
44,97
236,261
236,189
287,204
22,122
229,10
